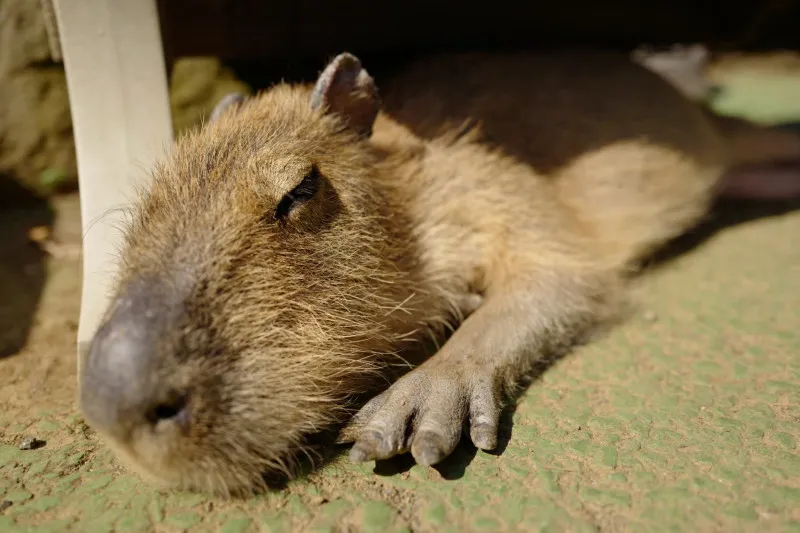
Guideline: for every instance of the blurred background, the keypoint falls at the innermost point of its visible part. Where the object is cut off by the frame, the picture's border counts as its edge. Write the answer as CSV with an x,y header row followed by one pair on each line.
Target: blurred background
x,y
215,46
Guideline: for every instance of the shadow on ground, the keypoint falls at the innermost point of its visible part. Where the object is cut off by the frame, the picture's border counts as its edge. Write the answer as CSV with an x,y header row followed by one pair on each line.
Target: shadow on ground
x,y
22,262
726,214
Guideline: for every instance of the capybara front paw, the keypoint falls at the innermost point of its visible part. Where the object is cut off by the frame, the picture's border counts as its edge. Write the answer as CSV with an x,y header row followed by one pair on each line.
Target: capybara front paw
x,y
425,412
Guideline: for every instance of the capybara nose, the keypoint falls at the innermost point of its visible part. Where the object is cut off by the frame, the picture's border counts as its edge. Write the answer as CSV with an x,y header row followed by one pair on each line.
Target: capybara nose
x,y
122,387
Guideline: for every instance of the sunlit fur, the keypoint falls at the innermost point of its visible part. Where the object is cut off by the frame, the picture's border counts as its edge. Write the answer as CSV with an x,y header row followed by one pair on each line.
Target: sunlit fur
x,y
283,322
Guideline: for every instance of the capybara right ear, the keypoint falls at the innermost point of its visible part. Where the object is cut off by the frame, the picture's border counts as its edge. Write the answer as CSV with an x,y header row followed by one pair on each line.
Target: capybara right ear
x,y
228,101
346,89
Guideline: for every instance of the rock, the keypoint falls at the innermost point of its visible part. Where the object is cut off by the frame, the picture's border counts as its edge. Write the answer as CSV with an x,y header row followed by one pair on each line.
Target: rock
x,y
31,443
23,35
36,140
683,66
36,143
197,84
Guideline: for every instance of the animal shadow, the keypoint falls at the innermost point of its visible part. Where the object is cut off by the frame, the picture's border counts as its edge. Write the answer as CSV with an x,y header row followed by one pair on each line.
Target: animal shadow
x,y
22,263
725,214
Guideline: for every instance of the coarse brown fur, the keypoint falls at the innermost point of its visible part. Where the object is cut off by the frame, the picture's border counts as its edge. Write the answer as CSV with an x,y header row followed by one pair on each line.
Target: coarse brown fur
x,y
484,175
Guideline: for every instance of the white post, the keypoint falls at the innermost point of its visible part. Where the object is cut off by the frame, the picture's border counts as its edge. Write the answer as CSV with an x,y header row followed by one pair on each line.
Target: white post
x,y
119,101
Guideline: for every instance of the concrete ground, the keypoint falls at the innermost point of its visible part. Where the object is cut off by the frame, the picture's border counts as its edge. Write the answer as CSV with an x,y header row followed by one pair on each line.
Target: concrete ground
x,y
685,418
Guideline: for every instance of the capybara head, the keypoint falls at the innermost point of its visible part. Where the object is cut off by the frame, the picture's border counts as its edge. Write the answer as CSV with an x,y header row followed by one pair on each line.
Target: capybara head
x,y
257,287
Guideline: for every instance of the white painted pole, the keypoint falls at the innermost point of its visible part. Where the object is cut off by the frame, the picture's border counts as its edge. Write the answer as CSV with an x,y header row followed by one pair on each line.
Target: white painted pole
x,y
119,102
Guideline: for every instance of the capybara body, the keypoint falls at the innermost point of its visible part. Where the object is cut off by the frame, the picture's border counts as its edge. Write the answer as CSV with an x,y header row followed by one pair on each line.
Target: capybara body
x,y
289,252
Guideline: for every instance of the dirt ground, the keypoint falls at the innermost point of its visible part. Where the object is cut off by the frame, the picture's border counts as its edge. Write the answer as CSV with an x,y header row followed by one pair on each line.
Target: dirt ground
x,y
685,418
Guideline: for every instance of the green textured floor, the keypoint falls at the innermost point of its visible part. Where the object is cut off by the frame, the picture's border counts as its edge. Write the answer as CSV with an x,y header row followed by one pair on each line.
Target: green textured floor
x,y
687,418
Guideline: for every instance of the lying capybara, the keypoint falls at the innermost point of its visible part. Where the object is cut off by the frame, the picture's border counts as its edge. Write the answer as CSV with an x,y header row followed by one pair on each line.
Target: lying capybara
x,y
287,254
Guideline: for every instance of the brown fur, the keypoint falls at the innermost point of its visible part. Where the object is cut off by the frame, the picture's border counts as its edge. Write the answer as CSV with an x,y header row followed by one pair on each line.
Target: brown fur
x,y
545,174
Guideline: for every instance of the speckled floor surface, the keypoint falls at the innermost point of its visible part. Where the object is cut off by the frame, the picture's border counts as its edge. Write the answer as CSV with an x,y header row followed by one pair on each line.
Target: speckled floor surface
x,y
686,418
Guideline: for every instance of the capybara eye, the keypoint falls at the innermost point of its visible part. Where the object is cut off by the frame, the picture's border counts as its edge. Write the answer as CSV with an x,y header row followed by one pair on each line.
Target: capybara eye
x,y
304,192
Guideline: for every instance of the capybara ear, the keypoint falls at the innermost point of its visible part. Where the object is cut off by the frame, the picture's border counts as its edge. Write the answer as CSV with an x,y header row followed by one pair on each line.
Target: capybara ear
x,y
228,101
346,89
